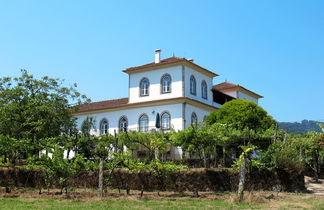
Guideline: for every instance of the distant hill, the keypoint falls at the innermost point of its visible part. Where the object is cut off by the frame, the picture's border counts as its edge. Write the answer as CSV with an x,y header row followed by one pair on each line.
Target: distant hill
x,y
300,127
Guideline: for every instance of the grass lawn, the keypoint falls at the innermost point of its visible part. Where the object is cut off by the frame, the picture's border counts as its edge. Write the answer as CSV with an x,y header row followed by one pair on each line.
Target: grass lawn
x,y
18,203
87,200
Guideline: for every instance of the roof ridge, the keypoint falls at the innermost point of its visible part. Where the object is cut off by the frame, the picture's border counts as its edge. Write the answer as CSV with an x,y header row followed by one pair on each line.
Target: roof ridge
x,y
169,60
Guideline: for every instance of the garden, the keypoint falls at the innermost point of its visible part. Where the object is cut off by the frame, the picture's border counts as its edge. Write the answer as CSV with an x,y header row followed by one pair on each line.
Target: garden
x,y
238,156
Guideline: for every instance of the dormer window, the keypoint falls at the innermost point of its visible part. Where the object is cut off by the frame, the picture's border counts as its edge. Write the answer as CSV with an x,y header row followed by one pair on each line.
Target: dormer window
x,y
144,87
192,85
204,89
166,83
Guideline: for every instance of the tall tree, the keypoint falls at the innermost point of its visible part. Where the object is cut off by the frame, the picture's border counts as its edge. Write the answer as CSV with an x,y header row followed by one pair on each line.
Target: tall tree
x,y
36,109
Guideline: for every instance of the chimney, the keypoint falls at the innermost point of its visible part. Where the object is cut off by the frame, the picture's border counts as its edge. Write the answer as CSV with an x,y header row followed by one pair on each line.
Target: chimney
x,y
157,56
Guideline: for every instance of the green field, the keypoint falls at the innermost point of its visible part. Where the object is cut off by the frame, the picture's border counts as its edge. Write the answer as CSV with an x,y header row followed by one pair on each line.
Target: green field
x,y
299,202
13,203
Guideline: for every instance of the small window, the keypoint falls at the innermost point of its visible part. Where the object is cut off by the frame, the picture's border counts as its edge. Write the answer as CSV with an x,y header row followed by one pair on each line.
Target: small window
x,y
166,83
123,124
194,119
204,89
144,87
143,123
193,85
104,126
165,120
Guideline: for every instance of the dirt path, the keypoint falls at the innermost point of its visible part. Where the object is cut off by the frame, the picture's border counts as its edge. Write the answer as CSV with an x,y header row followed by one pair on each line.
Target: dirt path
x,y
315,188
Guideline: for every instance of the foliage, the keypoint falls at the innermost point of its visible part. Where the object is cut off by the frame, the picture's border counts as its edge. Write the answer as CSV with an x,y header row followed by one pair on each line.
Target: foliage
x,y
163,170
242,114
34,109
300,127
246,152
60,170
150,142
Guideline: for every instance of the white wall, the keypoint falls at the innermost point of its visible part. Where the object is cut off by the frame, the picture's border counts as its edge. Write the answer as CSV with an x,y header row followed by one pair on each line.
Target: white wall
x,y
199,112
232,93
199,78
133,115
247,96
154,77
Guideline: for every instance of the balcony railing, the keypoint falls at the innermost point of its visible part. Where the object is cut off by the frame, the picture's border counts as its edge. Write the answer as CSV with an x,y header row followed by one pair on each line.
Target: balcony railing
x,y
149,129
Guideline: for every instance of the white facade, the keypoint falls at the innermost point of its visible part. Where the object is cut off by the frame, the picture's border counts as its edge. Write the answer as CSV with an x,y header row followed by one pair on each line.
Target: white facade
x,y
133,115
154,77
199,77
247,96
241,94
179,101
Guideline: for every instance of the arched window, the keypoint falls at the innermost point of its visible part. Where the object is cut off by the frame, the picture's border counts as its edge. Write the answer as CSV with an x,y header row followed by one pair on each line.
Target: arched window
x,y
204,89
166,83
194,119
165,121
123,124
144,87
193,85
143,123
104,126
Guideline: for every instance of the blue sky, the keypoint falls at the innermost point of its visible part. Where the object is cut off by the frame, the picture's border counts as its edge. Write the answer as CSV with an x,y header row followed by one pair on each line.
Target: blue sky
x,y
275,48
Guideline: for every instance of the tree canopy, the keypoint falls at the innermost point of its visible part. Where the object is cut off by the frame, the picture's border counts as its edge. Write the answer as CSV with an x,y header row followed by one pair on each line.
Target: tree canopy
x,y
242,114
35,109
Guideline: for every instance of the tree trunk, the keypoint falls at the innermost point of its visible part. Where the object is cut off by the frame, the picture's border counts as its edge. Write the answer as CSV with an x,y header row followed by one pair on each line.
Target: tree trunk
x,y
142,190
156,153
205,159
100,190
242,179
224,156
315,161
115,142
275,134
301,154
215,158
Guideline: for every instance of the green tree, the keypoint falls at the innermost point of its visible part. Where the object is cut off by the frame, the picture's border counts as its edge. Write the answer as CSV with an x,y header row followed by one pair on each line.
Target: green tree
x,y
36,109
242,114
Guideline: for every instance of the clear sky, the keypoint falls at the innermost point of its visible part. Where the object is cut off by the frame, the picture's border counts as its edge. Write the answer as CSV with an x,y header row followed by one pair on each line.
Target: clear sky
x,y
275,48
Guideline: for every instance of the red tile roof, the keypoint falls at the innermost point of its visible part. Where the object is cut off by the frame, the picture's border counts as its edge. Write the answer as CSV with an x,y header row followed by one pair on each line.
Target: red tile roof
x,y
123,102
227,85
108,104
164,62
224,85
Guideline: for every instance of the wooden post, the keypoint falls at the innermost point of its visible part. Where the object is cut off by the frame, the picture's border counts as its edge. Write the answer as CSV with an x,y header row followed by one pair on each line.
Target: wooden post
x,y
205,158
100,193
224,156
115,141
242,179
156,153
215,164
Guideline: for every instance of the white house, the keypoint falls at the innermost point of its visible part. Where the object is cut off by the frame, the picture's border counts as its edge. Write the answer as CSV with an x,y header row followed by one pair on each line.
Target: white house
x,y
176,89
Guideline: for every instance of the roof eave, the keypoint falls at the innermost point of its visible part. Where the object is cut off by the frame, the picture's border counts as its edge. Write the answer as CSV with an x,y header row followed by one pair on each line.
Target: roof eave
x,y
157,66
